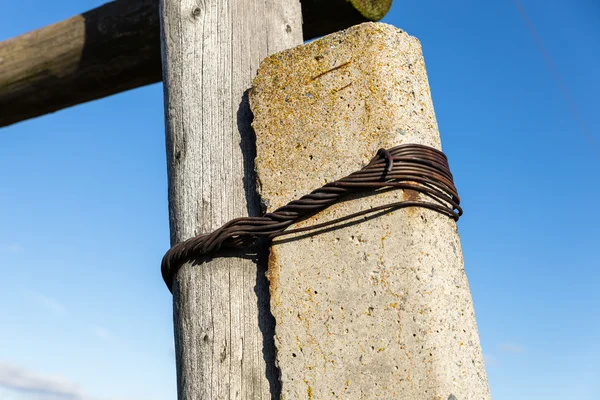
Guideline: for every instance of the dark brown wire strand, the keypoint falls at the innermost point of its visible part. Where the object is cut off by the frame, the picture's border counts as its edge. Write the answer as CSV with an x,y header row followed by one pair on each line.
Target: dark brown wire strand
x,y
410,166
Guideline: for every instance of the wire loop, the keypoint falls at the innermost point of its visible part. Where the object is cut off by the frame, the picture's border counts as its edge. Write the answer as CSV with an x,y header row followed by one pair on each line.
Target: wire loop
x,y
410,166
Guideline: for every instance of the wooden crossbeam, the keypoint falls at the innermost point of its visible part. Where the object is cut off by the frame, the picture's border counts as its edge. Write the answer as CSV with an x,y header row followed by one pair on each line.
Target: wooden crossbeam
x,y
116,47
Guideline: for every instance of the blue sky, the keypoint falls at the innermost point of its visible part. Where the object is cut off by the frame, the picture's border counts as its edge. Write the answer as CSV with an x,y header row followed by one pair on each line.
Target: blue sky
x,y
83,208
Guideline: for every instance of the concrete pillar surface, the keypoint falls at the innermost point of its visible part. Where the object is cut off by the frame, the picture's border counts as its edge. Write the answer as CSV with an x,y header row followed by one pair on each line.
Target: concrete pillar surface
x,y
381,308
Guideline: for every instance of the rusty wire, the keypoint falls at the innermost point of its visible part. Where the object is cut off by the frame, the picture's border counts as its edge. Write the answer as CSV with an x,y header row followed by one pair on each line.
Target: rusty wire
x,y
409,166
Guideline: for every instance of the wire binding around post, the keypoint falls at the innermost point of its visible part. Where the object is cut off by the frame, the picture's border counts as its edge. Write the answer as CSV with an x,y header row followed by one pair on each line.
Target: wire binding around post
x,y
409,166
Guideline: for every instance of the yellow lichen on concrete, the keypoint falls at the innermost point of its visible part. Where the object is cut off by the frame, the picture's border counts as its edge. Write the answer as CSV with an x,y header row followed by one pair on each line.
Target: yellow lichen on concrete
x,y
334,79
383,303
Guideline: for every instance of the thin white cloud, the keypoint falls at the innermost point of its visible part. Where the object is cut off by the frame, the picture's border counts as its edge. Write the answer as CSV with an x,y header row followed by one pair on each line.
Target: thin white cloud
x,y
21,380
12,248
104,334
48,303
511,348
28,385
490,360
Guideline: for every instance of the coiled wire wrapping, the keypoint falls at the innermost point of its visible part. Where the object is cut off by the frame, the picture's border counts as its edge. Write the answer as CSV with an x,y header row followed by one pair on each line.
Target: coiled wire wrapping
x,y
409,166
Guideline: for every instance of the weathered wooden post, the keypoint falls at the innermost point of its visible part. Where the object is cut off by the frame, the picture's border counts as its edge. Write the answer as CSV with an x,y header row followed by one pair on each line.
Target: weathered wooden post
x,y
379,309
211,51
116,47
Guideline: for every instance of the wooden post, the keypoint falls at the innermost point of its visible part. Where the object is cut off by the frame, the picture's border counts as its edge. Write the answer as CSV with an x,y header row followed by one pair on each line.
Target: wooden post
x,y
107,50
211,51
380,308
116,47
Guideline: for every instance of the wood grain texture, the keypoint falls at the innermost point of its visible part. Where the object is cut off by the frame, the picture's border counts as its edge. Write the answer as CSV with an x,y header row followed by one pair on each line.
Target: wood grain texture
x,y
104,51
211,51
114,48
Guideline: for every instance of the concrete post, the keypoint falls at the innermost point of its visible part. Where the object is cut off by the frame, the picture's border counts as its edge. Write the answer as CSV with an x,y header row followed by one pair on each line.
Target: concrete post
x,y
379,309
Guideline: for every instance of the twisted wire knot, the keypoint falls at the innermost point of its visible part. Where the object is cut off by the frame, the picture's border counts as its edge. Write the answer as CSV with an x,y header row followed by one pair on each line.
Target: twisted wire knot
x,y
409,166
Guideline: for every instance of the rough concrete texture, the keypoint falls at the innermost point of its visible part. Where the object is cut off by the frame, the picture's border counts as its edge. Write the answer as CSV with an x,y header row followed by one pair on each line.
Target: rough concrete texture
x,y
381,308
